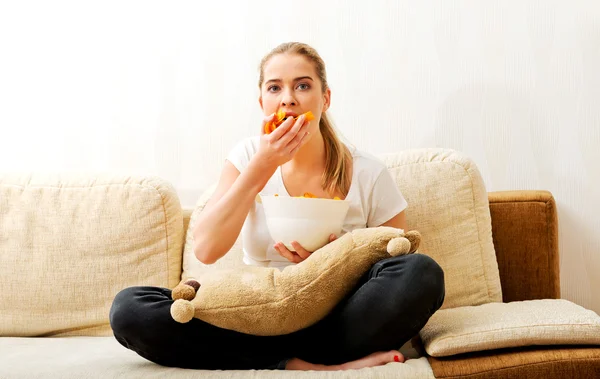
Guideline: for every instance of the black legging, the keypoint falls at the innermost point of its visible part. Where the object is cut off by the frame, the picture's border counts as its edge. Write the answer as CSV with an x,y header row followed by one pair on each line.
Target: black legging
x,y
389,306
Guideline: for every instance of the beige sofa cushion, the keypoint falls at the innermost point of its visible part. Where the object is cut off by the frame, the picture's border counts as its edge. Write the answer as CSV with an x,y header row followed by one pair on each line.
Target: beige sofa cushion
x,y
503,325
104,357
447,203
68,244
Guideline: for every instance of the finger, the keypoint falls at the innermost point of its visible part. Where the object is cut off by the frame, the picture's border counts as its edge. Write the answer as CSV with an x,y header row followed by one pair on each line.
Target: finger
x,y
266,121
332,237
302,252
284,252
299,131
283,128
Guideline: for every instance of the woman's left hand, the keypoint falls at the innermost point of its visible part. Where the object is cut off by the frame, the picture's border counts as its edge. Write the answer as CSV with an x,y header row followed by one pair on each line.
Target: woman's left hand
x,y
300,254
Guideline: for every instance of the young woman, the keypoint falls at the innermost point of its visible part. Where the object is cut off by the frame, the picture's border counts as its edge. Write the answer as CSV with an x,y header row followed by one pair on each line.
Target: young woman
x,y
389,306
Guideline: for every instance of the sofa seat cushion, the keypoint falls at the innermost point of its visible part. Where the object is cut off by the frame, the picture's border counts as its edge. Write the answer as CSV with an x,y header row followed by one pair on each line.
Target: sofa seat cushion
x,y
505,325
550,362
104,357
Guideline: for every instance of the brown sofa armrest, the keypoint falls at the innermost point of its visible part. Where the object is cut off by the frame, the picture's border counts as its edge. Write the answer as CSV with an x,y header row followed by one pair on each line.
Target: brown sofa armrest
x,y
525,233
531,362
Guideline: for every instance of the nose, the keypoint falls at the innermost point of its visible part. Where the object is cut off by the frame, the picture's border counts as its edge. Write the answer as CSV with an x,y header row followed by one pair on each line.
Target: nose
x,y
288,100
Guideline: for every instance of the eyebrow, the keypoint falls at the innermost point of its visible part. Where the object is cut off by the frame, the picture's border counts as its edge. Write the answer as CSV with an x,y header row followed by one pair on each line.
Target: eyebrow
x,y
298,78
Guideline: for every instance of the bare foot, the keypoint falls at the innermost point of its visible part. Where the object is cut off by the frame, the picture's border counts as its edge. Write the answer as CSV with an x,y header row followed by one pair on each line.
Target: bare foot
x,y
376,359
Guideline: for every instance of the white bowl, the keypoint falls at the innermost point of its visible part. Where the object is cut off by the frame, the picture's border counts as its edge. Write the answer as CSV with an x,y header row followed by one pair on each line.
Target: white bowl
x,y
309,221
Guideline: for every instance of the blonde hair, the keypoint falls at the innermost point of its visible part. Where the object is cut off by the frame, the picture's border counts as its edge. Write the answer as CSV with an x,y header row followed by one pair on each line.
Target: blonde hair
x,y
337,156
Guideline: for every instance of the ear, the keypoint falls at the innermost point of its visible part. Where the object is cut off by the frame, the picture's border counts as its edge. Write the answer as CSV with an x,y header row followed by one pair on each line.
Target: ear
x,y
326,100
260,102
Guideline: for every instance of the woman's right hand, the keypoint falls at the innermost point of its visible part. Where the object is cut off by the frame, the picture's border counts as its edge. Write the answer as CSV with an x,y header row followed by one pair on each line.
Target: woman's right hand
x,y
280,146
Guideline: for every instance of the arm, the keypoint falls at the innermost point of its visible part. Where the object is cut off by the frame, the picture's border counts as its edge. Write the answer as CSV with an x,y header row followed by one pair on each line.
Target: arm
x,y
398,221
222,218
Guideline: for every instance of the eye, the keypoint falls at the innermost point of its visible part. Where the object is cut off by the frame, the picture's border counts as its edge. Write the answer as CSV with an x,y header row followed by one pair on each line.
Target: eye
x,y
303,86
273,88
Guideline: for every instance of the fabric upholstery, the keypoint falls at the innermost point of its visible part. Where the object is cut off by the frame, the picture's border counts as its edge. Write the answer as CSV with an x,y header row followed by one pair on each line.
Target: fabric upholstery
x,y
104,357
504,325
448,205
69,243
553,362
525,231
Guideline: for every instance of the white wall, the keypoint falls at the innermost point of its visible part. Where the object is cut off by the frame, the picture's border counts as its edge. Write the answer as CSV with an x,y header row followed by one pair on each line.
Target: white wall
x,y
168,87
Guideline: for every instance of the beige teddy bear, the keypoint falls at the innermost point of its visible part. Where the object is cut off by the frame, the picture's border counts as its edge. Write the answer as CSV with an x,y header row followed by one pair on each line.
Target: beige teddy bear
x,y
268,301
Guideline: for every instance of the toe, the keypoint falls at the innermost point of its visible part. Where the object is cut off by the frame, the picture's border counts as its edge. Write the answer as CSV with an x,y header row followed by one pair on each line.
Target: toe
x,y
396,356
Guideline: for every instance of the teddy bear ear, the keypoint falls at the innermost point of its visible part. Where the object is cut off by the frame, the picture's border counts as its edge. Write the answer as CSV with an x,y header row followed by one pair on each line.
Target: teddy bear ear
x,y
186,290
415,240
398,246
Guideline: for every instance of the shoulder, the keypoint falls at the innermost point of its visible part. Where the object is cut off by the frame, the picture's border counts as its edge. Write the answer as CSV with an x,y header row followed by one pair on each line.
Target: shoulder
x,y
243,151
248,144
365,165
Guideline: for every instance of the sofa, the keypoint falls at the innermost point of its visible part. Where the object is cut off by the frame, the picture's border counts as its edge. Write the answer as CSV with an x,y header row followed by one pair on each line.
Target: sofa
x,y
70,242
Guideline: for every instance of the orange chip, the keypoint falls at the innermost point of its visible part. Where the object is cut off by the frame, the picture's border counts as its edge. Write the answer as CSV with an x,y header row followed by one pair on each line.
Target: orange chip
x,y
280,118
309,116
310,195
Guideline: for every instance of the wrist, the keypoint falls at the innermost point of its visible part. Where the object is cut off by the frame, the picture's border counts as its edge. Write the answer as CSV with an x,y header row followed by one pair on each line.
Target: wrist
x,y
263,163
260,171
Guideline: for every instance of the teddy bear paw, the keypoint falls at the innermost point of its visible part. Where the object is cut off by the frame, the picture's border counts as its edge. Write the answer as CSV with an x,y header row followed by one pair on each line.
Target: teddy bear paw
x,y
398,246
182,311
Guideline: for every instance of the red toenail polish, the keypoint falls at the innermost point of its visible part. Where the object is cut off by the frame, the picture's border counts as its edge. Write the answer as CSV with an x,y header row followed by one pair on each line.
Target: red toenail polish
x,y
396,358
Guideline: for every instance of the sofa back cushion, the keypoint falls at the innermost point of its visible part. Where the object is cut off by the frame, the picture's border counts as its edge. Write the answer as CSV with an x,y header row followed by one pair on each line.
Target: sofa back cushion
x,y
447,203
69,243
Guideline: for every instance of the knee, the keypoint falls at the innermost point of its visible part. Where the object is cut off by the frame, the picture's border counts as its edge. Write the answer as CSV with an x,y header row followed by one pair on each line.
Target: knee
x,y
429,277
123,315
419,273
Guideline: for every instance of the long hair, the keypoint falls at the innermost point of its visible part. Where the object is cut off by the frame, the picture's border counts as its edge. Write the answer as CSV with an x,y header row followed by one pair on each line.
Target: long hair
x,y
338,158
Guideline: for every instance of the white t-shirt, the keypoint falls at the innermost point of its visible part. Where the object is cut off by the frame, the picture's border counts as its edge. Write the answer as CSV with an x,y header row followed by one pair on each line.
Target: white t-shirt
x,y
374,199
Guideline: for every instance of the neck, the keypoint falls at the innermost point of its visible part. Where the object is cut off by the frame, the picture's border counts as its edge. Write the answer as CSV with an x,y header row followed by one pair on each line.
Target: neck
x,y
310,158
